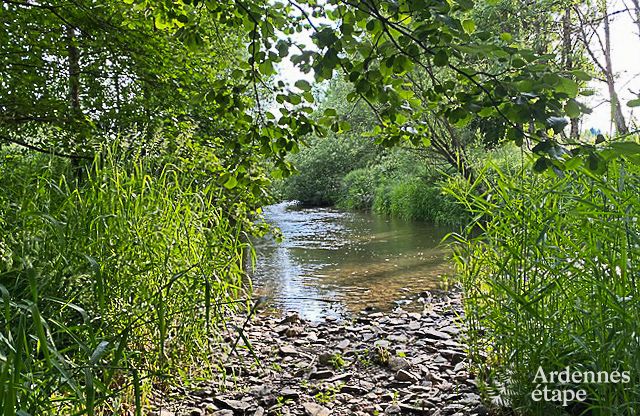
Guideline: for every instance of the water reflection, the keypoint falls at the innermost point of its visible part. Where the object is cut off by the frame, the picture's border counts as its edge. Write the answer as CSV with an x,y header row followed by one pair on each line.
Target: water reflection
x,y
333,262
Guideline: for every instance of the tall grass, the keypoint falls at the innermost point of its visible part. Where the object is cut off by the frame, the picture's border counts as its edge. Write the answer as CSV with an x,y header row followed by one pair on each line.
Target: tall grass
x,y
414,199
108,283
550,269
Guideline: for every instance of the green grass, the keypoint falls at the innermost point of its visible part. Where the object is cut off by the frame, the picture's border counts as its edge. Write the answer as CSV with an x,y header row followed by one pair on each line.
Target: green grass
x,y
550,269
108,283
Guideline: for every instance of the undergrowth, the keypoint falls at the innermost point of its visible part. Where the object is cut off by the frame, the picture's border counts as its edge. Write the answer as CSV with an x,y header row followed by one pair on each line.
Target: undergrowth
x,y
109,280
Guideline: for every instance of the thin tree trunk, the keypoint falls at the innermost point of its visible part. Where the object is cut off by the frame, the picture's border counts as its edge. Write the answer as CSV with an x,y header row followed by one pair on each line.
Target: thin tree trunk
x,y
73,55
636,5
74,73
616,110
567,55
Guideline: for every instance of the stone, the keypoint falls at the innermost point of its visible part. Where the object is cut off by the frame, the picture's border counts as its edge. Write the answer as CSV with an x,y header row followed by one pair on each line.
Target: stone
x,y
433,334
224,412
480,410
354,390
314,409
292,318
342,345
453,356
293,332
397,363
392,409
403,375
321,375
400,338
289,393
325,358
288,350
235,405
382,343
259,411
260,390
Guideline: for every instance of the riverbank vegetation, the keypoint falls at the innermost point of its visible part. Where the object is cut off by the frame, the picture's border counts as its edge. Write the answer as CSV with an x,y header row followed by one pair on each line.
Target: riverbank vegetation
x,y
550,283
139,140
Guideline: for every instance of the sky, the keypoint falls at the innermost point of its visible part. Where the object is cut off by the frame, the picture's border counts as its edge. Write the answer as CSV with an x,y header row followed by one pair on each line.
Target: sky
x,y
625,56
625,45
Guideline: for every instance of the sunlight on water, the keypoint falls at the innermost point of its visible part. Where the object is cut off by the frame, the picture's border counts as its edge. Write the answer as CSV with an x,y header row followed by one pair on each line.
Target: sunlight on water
x,y
333,262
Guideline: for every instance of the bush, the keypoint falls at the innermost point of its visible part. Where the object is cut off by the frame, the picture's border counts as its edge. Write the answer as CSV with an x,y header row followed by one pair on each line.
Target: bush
x,y
321,168
550,273
358,189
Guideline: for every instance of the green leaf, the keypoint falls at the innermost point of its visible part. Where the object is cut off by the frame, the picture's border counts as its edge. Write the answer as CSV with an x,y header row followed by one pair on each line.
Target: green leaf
x,y
266,68
161,23
465,4
541,164
231,183
626,148
507,37
441,58
303,85
469,25
557,123
567,86
581,75
518,63
634,103
572,108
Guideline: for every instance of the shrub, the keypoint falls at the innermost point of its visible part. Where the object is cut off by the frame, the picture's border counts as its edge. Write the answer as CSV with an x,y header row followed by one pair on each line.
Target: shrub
x,y
322,166
358,189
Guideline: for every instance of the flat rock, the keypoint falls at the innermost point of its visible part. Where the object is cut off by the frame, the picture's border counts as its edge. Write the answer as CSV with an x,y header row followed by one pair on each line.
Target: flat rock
x,y
235,405
321,375
397,363
393,409
289,393
434,334
343,344
288,350
314,409
403,375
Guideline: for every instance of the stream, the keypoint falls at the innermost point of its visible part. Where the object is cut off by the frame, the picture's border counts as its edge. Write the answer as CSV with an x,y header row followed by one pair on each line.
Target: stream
x,y
333,263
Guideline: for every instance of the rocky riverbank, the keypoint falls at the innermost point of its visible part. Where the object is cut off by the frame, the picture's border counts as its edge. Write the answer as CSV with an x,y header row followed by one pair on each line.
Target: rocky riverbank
x,y
399,362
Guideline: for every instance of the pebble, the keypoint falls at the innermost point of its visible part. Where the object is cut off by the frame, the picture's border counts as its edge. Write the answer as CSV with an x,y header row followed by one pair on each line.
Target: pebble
x,y
398,362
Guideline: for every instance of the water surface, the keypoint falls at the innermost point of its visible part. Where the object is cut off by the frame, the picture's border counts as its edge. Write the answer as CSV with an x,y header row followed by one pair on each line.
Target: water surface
x,y
334,263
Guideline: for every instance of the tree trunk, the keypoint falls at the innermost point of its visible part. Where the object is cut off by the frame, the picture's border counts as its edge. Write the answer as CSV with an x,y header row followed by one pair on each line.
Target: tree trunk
x,y
616,111
73,55
74,74
567,58
636,5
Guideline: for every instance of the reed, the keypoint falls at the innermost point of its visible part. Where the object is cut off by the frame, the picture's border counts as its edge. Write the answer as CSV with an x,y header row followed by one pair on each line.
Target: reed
x,y
549,269
110,282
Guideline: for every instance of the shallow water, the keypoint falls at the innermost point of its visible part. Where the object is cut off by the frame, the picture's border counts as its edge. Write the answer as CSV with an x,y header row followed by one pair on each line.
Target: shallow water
x,y
332,263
